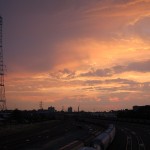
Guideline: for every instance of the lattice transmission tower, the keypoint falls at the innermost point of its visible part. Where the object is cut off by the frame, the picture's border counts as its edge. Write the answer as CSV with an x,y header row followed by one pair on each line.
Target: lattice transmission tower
x,y
2,85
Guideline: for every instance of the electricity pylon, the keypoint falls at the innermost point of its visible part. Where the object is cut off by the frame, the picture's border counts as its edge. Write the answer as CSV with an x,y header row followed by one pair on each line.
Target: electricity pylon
x,y
2,85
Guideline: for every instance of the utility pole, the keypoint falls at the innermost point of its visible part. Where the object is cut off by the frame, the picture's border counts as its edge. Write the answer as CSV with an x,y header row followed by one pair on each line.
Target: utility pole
x,y
2,85
41,105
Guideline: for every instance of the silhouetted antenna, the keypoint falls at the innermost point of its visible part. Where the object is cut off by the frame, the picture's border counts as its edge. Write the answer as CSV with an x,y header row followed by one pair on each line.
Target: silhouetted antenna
x,y
41,105
2,85
79,108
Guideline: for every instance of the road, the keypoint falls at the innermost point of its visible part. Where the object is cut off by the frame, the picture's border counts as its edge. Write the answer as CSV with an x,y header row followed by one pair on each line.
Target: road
x,y
131,136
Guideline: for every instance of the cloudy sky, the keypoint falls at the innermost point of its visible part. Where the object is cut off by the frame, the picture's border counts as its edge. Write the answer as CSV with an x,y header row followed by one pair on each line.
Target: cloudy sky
x,y
92,53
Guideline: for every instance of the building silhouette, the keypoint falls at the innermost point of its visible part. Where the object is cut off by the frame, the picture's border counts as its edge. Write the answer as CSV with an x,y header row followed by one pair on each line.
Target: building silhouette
x,y
69,109
51,109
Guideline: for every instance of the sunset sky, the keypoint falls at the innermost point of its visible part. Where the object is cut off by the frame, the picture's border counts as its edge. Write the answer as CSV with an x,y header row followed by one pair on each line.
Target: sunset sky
x,y
92,53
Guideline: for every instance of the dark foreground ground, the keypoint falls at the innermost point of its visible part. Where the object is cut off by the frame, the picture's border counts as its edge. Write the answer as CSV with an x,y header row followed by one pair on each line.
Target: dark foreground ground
x,y
53,135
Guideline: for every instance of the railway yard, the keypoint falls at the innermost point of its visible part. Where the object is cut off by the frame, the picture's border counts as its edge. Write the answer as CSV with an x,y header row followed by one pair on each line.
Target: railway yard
x,y
130,136
73,135
48,136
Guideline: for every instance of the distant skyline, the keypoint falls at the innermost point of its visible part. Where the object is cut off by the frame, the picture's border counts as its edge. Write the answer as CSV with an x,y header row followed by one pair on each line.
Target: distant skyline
x,y
92,53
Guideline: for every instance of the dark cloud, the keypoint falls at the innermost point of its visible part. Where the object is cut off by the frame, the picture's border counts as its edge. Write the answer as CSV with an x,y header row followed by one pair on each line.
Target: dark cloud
x,y
118,69
119,80
127,86
63,74
99,72
92,82
142,66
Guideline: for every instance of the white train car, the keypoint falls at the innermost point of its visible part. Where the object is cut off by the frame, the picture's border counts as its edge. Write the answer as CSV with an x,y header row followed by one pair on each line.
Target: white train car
x,y
102,141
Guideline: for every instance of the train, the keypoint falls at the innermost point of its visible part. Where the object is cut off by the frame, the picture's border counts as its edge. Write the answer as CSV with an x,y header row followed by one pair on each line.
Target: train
x,y
103,140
